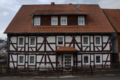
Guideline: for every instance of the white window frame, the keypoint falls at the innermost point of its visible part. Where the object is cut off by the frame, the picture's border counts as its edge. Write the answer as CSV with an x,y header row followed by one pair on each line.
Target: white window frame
x,y
61,20
83,41
100,58
23,40
30,40
95,41
23,60
57,41
83,18
34,60
52,18
39,21
88,59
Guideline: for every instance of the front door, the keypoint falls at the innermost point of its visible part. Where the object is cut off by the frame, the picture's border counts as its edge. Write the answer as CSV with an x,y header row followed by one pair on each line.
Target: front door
x,y
67,61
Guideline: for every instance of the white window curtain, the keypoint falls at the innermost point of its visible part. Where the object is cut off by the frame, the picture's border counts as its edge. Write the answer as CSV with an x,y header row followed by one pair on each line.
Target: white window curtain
x,y
81,21
63,20
54,21
36,21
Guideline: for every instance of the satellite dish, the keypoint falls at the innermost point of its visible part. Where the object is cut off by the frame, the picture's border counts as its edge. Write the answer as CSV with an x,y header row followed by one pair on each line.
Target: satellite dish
x,y
77,6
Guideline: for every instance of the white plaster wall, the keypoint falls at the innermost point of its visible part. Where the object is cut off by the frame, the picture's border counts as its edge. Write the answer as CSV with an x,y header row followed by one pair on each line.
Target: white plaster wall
x,y
26,39
52,46
68,38
77,38
105,38
51,39
79,57
40,39
12,48
14,39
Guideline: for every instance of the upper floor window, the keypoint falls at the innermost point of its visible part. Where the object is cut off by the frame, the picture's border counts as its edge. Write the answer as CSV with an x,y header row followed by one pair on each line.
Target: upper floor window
x,y
20,41
81,20
60,40
85,40
63,20
97,40
36,21
54,21
32,41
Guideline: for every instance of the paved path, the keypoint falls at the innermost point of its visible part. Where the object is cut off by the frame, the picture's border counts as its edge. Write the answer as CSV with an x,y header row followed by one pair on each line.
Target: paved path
x,y
64,78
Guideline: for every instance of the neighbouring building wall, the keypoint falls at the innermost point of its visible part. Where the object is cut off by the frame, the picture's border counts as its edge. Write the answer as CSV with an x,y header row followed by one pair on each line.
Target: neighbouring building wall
x,y
114,43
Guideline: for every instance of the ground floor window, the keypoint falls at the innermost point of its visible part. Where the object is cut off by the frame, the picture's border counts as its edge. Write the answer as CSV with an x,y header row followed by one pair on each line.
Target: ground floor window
x,y
21,59
31,59
86,59
98,59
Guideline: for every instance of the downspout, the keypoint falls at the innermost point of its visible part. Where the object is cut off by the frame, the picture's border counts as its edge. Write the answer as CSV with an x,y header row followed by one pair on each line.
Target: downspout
x,y
7,51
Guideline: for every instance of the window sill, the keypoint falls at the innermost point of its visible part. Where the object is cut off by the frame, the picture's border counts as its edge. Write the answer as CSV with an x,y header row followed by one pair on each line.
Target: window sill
x,y
85,44
20,63
32,45
60,45
97,44
20,45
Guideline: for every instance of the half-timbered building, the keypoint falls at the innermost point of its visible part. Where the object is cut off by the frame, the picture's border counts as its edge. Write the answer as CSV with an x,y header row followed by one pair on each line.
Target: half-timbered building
x,y
67,35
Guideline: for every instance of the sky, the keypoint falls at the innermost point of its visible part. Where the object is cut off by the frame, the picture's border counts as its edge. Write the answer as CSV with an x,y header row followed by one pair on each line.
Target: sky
x,y
9,8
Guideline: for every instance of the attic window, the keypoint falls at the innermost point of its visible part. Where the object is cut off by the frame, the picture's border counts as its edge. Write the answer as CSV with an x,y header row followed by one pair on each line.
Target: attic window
x,y
54,21
63,20
81,20
36,21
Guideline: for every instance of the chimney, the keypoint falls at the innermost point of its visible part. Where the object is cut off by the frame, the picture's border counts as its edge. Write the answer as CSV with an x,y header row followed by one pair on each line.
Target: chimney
x,y
52,3
70,3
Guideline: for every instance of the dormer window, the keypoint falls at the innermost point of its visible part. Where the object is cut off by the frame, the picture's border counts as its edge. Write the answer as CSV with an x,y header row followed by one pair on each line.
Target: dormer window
x,y
63,20
81,20
37,21
54,20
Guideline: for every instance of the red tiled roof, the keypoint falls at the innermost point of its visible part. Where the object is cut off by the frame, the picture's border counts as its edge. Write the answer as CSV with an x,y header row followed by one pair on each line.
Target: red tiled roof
x,y
96,20
114,17
66,49
46,12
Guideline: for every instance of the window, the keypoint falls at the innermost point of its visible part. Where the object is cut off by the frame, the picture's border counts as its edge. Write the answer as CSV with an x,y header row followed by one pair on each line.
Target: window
x,y
60,40
98,59
63,20
85,40
20,41
67,61
81,20
97,40
36,21
54,21
32,41
21,59
31,59
86,59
